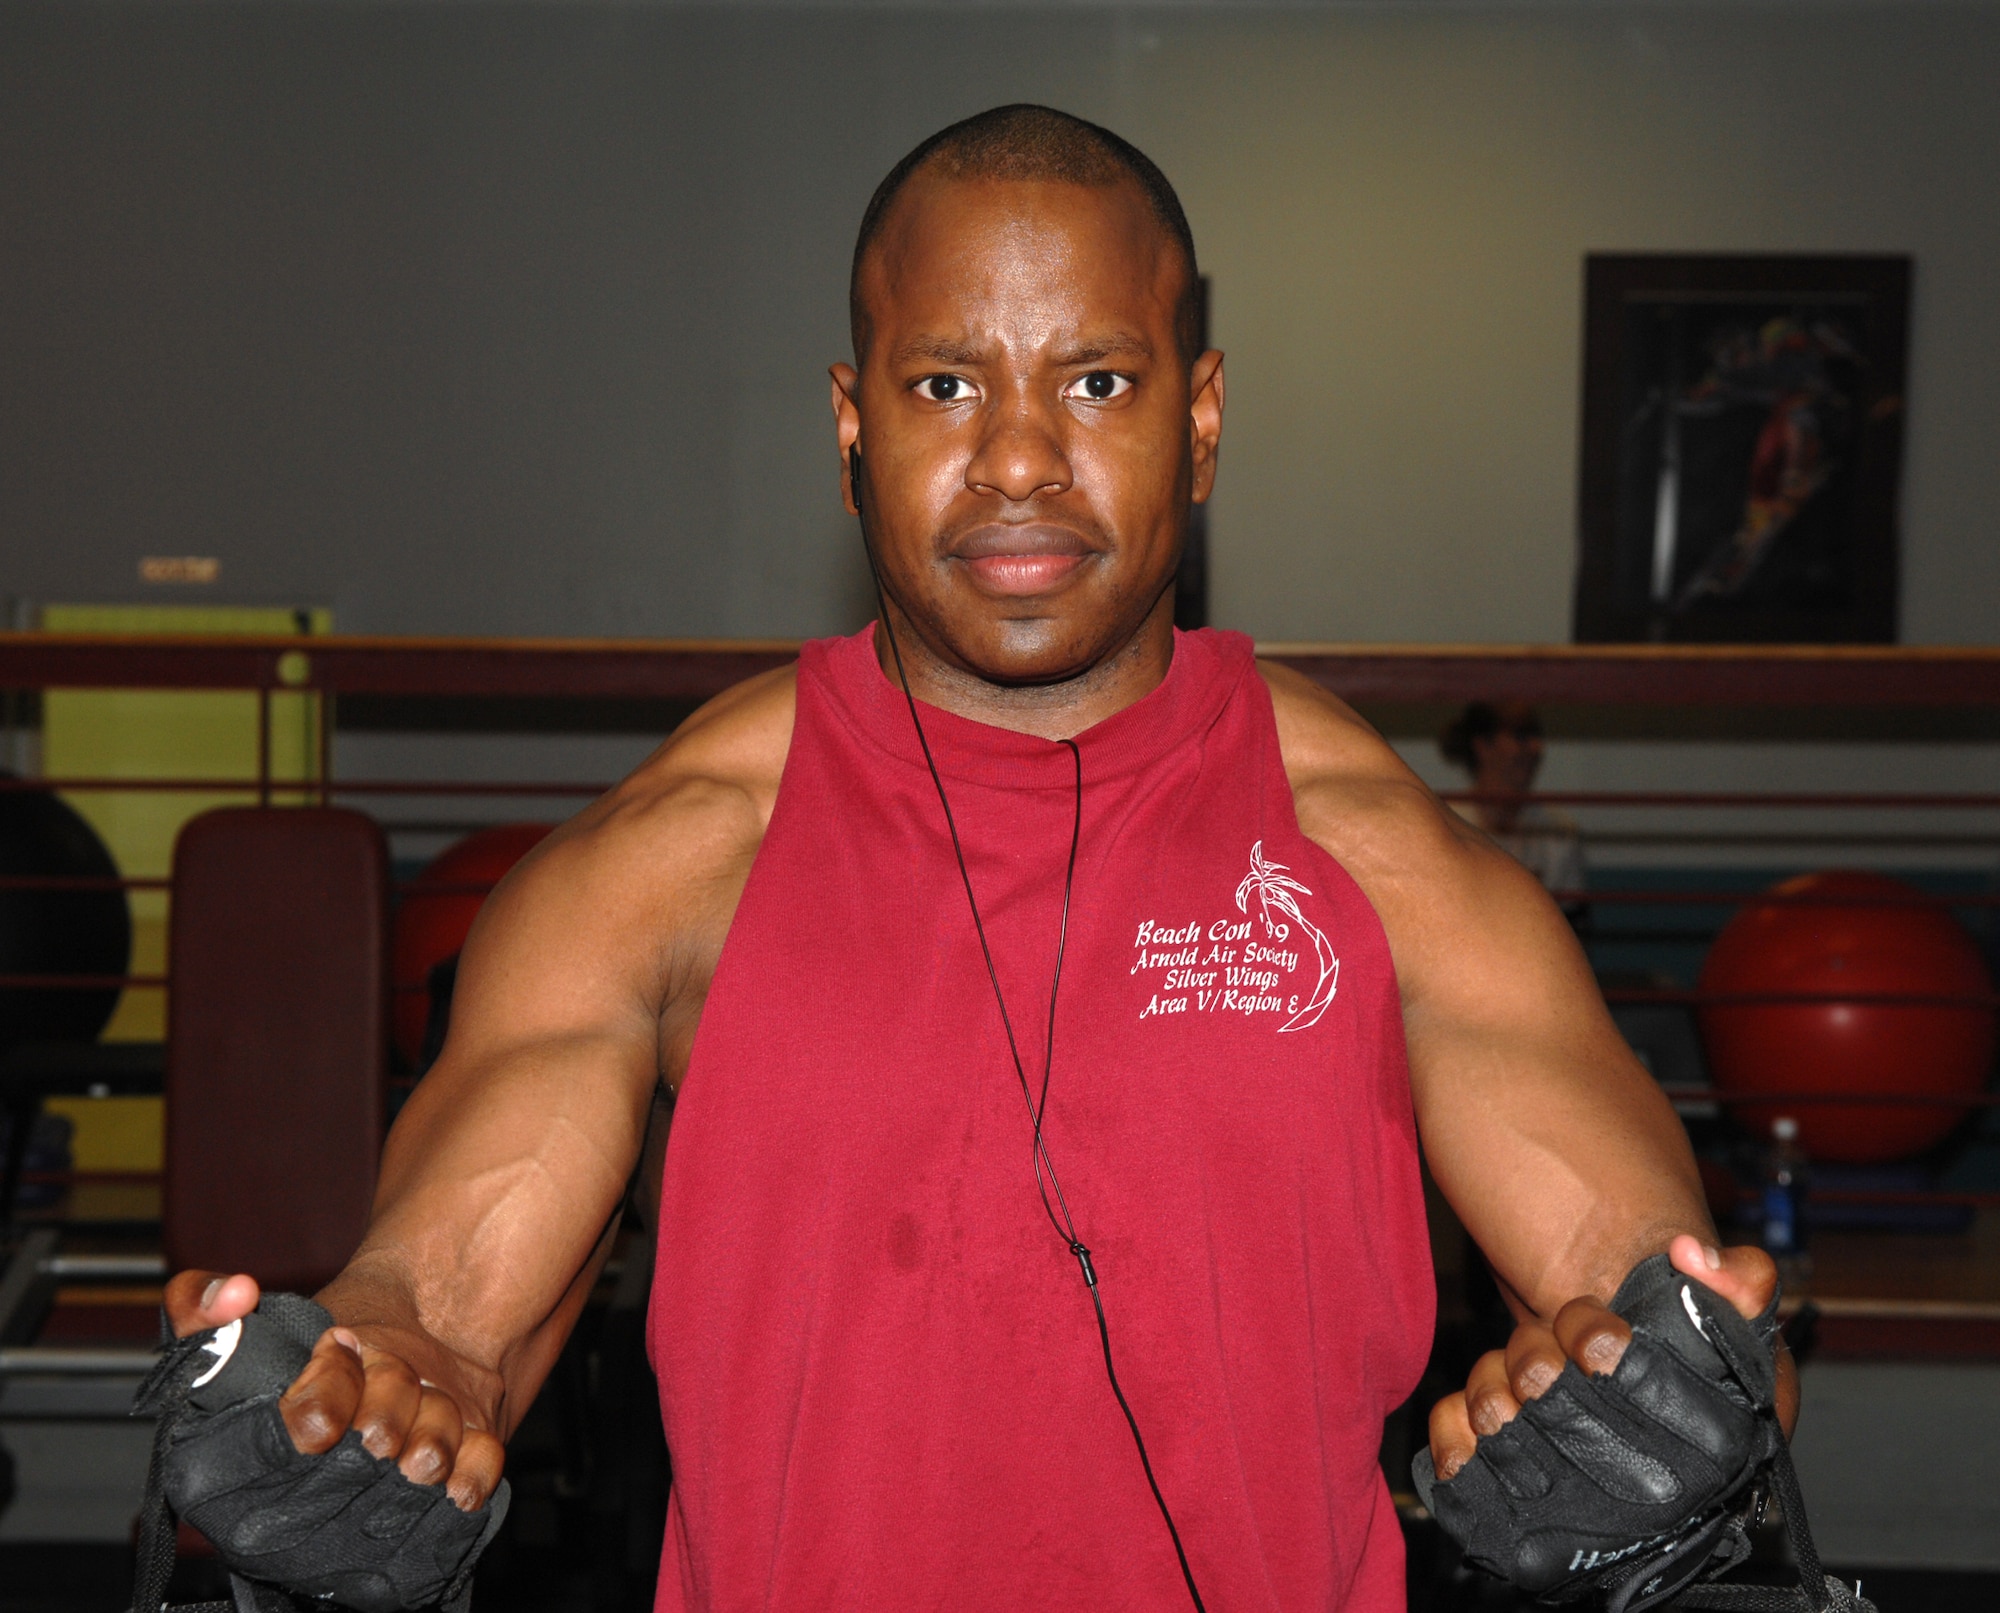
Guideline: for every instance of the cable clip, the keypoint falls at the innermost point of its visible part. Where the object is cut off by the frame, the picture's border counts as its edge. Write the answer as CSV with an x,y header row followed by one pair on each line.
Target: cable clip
x,y
1083,1259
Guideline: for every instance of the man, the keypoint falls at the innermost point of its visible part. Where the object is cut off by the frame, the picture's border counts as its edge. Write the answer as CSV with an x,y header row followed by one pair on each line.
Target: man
x,y
1197,941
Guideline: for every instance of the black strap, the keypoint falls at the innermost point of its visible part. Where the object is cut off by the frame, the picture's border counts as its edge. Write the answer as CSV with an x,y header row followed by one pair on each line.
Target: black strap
x,y
1816,1591
155,1564
157,1530
1772,1598
1812,1578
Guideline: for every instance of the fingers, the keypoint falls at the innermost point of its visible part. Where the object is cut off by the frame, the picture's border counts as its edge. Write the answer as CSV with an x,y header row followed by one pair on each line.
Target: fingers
x,y
1490,1403
1534,1361
1499,1382
1592,1335
477,1472
441,1449
391,1398
1742,1274
322,1402
1502,1381
398,1416
432,1448
1452,1439
197,1300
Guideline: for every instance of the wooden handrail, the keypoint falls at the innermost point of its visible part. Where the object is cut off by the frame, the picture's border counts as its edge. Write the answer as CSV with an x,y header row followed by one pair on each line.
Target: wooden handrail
x,y
695,669
1848,675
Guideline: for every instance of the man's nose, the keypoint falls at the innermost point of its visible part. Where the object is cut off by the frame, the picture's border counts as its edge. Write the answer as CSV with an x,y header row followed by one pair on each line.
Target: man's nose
x,y
1019,457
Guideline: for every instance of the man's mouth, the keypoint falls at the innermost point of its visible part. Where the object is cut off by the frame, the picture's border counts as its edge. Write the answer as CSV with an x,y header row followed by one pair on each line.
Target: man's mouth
x,y
1019,560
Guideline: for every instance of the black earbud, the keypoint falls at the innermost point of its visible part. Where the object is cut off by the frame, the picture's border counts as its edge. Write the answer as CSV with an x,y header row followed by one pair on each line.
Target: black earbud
x,y
854,475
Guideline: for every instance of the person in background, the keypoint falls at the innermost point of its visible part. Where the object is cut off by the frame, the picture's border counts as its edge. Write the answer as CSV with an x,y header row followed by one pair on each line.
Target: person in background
x,y
1500,746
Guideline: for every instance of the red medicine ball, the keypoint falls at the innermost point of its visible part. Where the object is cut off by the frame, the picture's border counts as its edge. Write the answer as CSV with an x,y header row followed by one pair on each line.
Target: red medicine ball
x,y
436,914
1849,940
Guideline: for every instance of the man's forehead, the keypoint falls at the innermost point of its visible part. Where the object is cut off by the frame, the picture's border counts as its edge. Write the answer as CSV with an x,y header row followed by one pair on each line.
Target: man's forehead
x,y
1084,344
937,206
953,248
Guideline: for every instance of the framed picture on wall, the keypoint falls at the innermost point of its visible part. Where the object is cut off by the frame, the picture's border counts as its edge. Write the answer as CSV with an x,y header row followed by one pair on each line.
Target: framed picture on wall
x,y
1742,444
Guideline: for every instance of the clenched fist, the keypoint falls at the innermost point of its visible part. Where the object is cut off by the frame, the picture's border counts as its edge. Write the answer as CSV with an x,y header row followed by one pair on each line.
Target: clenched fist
x,y
351,1382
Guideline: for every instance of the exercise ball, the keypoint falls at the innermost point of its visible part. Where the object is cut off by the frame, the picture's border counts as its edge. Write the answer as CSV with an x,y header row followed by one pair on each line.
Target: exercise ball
x,y
435,915
1848,940
56,932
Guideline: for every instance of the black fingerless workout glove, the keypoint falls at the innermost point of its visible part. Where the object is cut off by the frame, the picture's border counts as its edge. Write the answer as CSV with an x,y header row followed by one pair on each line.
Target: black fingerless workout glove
x,y
1634,1485
344,1527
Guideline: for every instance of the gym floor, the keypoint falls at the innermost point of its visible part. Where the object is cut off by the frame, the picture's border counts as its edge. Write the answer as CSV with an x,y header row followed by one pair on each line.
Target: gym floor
x,y
583,1536
560,1578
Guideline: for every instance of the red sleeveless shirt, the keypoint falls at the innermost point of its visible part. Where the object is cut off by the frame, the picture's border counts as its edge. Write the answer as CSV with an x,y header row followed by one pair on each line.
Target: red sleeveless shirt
x,y
878,1364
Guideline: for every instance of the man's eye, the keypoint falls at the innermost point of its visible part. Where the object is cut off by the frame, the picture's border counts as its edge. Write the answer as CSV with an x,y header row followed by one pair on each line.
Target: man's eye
x,y
944,388
1100,386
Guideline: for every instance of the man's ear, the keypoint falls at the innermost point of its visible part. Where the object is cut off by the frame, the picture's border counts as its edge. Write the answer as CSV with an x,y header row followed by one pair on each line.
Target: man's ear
x,y
1205,390
846,426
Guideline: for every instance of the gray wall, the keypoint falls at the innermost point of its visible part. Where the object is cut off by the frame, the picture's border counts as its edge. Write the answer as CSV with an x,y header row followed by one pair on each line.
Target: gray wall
x,y
514,319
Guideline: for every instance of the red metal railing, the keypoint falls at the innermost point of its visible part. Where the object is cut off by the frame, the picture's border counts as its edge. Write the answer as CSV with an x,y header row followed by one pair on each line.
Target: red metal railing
x,y
1857,677
1866,676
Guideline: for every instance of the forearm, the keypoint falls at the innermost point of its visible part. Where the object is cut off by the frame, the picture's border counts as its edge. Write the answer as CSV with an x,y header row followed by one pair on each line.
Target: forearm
x,y
497,1205
491,1369
1567,1166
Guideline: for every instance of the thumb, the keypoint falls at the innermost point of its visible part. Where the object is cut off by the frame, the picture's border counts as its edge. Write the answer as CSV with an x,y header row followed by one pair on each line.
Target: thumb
x,y
1742,1274
196,1300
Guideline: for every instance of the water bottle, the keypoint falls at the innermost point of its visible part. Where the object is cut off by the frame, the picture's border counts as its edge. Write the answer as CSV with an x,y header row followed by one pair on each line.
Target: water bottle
x,y
1785,1180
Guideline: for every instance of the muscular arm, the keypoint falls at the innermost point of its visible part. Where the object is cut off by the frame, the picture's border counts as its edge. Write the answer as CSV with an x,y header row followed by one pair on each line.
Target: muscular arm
x,y
578,993
1554,1146
1552,1143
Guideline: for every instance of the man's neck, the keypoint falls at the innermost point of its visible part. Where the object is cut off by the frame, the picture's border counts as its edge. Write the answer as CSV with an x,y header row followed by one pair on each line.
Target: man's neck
x,y
1058,710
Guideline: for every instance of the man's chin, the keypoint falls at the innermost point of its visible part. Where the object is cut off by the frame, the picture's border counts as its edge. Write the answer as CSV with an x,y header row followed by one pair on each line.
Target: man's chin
x,y
1036,651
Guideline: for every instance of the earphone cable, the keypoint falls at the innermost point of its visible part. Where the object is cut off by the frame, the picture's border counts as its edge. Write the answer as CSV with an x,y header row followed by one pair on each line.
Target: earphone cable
x,y
1045,1170
1046,1179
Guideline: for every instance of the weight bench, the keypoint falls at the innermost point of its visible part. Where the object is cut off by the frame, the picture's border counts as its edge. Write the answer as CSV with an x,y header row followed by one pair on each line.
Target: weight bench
x,y
276,1070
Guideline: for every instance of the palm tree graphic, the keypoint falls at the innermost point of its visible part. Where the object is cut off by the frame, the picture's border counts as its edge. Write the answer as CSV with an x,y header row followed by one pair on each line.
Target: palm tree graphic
x,y
1274,887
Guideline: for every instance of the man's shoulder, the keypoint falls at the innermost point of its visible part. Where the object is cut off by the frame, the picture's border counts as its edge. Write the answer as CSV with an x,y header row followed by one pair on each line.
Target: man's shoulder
x,y
621,913
1354,795
738,742
705,796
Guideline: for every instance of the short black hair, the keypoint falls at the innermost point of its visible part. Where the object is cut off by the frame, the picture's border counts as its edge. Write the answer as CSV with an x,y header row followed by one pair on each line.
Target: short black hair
x,y
1479,720
1024,141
